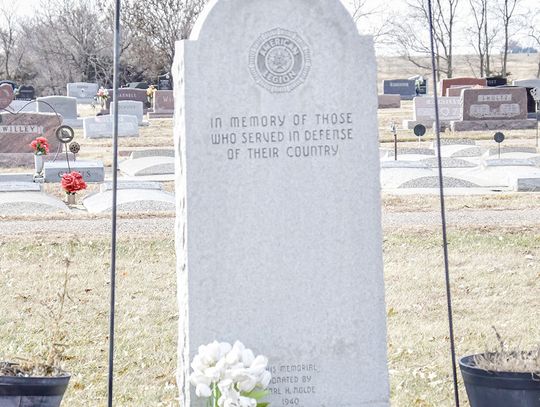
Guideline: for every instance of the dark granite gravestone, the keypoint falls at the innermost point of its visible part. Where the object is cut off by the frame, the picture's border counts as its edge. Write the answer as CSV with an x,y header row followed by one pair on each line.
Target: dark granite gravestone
x,y
165,82
26,92
405,88
496,81
10,83
138,85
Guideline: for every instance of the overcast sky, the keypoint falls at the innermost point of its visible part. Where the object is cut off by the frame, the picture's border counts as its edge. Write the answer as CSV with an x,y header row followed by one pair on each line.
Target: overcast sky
x,y
381,10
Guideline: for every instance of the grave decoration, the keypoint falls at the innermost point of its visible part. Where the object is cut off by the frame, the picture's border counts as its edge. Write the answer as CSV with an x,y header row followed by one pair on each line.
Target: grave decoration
x,y
41,147
102,96
150,92
535,93
393,129
72,182
230,375
499,138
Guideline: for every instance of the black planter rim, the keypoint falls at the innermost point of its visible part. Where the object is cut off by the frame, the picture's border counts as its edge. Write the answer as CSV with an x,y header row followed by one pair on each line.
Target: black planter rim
x,y
34,385
509,380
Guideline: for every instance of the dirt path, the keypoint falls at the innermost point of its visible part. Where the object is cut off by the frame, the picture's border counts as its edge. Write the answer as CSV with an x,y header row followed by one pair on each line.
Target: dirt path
x,y
165,226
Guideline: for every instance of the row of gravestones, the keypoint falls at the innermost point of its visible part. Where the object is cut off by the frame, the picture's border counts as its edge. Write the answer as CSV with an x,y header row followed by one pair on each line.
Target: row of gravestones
x,y
406,89
488,108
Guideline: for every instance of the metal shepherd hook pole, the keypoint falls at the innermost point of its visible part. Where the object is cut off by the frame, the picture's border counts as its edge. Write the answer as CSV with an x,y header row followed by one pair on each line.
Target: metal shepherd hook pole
x,y
443,210
114,192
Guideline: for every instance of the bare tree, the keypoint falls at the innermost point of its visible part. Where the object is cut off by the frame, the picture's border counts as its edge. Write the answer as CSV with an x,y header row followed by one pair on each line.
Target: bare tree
x,y
506,10
412,36
534,33
8,38
158,24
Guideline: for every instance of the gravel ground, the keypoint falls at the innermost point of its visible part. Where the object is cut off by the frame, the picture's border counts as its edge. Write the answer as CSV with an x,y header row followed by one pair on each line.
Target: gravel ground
x,y
164,226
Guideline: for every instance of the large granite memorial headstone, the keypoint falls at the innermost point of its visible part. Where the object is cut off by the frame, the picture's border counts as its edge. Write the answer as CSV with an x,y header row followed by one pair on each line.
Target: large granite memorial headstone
x,y
493,109
278,199
406,88
83,91
17,132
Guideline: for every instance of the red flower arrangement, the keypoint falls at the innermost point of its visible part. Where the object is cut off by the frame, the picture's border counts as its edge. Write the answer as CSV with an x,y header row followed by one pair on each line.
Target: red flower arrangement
x,y
73,182
40,146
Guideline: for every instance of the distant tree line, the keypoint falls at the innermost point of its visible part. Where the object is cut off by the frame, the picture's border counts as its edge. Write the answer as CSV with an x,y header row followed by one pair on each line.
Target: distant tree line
x,y
71,41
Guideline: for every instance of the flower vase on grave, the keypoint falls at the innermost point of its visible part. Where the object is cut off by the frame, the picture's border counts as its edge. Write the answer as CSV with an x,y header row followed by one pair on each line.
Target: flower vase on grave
x,y
71,199
38,164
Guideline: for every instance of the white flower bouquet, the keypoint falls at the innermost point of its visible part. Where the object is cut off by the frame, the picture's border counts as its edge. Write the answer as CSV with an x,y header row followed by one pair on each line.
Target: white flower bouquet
x,y
230,376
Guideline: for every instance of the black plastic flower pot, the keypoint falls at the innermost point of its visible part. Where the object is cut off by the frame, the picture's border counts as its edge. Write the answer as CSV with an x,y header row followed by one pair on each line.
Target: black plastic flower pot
x,y
18,391
499,389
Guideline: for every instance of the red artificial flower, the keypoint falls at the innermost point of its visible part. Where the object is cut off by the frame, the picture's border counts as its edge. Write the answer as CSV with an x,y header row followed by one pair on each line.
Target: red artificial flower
x,y
40,146
73,182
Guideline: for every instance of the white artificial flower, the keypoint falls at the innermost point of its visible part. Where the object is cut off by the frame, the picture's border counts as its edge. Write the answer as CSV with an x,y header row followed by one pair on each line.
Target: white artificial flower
x,y
197,378
265,378
248,383
247,402
202,390
247,357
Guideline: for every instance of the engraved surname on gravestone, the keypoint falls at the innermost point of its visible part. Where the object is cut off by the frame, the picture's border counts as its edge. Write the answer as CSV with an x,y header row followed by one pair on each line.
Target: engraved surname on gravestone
x,y
290,108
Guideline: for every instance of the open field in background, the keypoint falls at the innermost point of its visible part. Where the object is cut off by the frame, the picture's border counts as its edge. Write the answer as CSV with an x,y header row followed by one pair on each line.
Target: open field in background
x,y
496,275
520,66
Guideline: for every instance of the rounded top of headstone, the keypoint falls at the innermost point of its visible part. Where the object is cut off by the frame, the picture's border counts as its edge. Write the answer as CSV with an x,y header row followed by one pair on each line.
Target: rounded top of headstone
x,y
277,13
419,130
6,95
498,137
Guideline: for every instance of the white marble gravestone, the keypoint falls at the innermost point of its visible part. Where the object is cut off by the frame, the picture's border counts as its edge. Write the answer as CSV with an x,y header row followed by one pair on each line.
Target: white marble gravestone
x,y
84,92
278,198
131,108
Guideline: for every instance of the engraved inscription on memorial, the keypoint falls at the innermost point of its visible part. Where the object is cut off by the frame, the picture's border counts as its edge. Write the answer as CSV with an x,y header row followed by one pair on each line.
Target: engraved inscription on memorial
x,y
279,60
293,385
281,136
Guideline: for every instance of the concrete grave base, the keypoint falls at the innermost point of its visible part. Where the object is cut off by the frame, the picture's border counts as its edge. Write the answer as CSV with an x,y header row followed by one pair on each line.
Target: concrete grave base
x,y
17,203
410,124
148,166
131,200
481,125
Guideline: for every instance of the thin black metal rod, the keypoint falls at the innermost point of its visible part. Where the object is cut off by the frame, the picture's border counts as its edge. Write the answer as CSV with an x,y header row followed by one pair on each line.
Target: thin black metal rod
x,y
114,194
443,210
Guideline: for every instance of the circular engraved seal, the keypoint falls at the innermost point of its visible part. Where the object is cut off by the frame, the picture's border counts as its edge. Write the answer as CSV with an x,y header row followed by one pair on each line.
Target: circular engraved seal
x,y
279,60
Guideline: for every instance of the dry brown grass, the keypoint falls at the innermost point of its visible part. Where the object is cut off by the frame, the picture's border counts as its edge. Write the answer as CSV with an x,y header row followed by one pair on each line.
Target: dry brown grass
x,y
495,275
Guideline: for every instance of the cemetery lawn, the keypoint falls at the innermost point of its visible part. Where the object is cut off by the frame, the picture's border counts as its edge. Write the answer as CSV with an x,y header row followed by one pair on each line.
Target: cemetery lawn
x,y
496,277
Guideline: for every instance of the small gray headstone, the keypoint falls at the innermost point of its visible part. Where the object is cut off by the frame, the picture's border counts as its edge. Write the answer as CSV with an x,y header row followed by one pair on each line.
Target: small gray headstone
x,y
130,108
102,126
63,105
92,171
83,92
